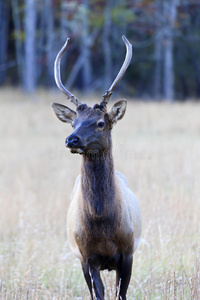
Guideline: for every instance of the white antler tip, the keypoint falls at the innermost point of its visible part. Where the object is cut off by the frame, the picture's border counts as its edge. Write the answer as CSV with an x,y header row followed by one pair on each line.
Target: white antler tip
x,y
66,43
125,40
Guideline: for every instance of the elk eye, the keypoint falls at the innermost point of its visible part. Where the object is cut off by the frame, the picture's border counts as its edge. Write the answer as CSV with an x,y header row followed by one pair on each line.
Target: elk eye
x,y
100,124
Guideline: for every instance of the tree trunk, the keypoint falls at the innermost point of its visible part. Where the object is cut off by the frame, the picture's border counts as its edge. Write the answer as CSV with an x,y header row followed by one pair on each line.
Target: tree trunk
x,y
168,89
106,46
158,66
170,10
85,50
30,26
158,52
50,42
80,61
63,35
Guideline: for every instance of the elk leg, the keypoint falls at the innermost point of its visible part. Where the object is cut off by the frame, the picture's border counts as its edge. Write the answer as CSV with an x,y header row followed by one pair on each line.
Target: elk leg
x,y
85,268
123,273
94,282
97,283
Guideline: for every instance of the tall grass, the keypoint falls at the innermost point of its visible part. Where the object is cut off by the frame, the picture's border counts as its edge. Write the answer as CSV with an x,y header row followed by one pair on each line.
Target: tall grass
x,y
156,146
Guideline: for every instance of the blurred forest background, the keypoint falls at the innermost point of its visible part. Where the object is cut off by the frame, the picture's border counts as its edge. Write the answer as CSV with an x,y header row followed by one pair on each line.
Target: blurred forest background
x,y
165,35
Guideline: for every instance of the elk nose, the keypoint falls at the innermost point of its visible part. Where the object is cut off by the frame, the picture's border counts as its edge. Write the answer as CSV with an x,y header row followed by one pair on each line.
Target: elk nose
x,y
72,141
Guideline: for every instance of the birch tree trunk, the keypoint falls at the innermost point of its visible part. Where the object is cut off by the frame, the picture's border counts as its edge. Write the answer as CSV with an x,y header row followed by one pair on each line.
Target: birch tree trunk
x,y
106,46
85,50
158,52
168,88
63,22
170,10
29,66
50,42
80,61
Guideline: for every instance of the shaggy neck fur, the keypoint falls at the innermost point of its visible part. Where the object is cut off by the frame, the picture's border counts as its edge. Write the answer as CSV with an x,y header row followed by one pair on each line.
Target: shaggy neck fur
x,y
98,186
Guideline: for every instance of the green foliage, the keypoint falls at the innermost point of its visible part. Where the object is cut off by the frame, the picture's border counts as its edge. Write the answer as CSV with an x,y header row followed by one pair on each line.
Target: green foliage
x,y
122,15
20,35
96,19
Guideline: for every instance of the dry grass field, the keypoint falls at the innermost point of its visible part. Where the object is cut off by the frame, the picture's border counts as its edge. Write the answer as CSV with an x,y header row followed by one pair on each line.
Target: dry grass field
x,y
156,146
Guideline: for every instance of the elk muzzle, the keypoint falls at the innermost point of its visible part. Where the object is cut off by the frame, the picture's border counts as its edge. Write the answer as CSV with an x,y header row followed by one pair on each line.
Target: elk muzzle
x,y
73,143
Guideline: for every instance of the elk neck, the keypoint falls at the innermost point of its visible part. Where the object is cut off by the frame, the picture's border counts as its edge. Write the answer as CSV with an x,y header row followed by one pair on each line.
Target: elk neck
x,y
98,184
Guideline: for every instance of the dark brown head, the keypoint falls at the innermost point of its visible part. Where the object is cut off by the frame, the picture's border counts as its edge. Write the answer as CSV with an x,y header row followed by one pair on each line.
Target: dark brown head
x,y
91,125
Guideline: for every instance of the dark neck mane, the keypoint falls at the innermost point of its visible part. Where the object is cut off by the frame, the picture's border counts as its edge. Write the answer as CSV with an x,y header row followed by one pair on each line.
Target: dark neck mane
x,y
97,179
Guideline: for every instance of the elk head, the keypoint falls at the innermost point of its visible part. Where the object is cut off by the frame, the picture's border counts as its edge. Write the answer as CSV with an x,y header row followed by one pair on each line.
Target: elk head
x,y
92,125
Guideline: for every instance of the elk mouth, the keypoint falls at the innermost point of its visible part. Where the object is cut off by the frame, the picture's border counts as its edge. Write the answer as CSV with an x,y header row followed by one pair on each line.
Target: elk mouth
x,y
79,150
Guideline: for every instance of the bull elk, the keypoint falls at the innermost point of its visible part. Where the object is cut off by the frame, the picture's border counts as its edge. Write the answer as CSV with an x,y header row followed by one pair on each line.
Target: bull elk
x,y
104,220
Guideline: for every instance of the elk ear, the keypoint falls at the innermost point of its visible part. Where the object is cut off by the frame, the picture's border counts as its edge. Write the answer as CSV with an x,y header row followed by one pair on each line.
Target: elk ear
x,y
117,112
64,113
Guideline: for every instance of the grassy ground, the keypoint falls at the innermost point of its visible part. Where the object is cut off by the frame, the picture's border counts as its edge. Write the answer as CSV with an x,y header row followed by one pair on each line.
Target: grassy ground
x,y
156,146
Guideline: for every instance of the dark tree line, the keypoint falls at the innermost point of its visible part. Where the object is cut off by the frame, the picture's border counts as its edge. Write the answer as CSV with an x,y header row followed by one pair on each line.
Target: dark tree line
x,y
165,35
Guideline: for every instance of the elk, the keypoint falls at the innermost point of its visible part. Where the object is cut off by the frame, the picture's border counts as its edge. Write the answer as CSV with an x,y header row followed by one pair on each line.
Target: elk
x,y
104,219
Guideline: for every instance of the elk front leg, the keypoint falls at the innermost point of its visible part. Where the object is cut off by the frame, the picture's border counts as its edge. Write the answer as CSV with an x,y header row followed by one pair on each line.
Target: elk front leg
x,y
93,279
86,272
123,275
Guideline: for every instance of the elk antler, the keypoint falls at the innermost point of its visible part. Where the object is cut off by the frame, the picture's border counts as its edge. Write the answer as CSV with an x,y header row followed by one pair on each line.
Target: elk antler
x,y
57,75
106,96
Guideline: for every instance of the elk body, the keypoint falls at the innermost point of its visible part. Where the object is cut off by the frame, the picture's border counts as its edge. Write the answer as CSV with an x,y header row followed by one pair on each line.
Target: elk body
x,y
104,221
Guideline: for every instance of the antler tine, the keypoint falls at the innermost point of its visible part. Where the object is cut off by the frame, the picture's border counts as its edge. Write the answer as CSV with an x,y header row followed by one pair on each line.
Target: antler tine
x,y
106,96
57,75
